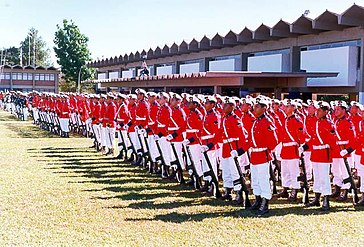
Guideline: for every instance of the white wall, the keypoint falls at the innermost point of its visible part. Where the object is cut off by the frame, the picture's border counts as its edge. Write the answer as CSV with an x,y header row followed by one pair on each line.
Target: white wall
x,y
222,65
341,59
165,70
113,75
189,68
269,63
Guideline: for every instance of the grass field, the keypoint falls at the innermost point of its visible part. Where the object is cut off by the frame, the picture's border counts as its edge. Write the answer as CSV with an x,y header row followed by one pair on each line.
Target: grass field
x,y
56,191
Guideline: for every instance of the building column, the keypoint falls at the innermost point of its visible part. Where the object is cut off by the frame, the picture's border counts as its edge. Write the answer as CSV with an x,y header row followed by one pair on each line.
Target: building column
x,y
155,69
244,61
11,80
217,89
277,93
205,64
295,59
176,67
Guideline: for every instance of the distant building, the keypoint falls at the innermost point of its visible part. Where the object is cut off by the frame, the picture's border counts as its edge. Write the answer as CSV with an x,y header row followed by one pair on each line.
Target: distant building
x,y
28,78
330,43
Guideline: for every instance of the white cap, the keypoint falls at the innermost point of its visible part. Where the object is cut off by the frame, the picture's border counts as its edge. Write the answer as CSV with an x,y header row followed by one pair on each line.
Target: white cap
x,y
320,104
211,98
164,95
229,100
341,103
140,91
261,100
287,102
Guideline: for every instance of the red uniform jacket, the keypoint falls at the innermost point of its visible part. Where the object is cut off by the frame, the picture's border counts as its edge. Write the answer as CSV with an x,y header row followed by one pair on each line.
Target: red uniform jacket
x,y
234,136
152,118
131,115
322,141
345,136
194,126
102,113
262,139
247,120
96,113
122,117
360,137
177,124
211,129
110,115
292,136
141,112
163,118
65,109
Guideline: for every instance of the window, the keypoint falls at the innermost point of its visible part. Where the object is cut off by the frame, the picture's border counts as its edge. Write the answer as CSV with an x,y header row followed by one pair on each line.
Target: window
x,y
46,77
41,77
30,77
13,76
36,77
51,77
20,76
7,76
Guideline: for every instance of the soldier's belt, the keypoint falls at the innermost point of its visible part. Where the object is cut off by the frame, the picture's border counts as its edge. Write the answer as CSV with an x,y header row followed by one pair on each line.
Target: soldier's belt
x,y
289,144
64,112
342,142
230,140
120,119
151,123
140,118
161,125
173,128
320,147
191,130
208,137
256,150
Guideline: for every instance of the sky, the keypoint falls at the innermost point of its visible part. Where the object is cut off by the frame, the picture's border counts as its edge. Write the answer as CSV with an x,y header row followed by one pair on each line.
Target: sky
x,y
117,27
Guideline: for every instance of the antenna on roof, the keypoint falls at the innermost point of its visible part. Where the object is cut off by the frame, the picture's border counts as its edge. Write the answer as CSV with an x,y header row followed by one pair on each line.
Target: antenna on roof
x,y
306,13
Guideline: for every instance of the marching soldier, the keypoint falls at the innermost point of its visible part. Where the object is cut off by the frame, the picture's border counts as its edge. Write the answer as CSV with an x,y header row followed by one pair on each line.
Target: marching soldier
x,y
64,116
152,129
110,124
122,121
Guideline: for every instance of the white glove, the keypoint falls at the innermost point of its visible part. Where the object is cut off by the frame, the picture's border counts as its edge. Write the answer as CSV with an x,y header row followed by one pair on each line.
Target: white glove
x,y
234,153
186,142
169,137
142,132
156,137
343,152
204,148
126,126
136,127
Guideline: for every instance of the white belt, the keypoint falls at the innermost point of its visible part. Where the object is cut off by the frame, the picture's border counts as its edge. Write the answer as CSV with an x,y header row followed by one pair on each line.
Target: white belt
x,y
342,142
207,137
192,130
173,128
230,140
289,144
319,147
140,118
64,112
120,119
161,125
256,150
151,123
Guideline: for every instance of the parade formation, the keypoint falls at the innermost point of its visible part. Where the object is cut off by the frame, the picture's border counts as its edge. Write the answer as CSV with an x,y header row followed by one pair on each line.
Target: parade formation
x,y
251,144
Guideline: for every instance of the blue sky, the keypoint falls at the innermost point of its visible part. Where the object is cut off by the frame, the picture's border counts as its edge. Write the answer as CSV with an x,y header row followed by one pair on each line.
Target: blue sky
x,y
124,26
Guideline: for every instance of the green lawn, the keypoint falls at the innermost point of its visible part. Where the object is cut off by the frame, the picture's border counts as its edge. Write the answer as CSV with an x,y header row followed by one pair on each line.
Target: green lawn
x,y
56,191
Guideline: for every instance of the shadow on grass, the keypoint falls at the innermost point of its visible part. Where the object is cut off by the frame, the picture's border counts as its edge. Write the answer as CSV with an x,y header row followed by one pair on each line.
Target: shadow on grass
x,y
24,130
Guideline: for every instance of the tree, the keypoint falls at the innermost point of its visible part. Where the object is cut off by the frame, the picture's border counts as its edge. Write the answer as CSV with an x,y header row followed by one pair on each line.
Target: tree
x,y
36,47
72,53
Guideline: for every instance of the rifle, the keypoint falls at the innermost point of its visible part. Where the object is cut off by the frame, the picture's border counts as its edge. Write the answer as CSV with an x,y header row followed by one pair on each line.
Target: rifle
x,y
350,180
192,166
124,148
241,179
272,176
177,162
303,178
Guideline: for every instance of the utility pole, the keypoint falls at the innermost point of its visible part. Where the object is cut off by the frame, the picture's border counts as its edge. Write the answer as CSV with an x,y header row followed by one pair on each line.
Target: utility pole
x,y
21,56
29,35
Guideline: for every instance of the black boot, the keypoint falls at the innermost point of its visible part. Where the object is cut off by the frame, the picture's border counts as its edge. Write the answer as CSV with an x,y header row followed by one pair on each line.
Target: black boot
x,y
120,155
131,158
283,193
239,199
205,187
316,201
256,204
343,196
361,201
293,196
325,204
336,192
263,209
227,194
138,161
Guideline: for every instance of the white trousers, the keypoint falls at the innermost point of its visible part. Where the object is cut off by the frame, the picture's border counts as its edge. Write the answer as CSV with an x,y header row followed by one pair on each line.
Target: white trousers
x,y
290,172
110,138
25,114
64,124
166,150
339,172
97,132
35,114
205,168
103,136
153,150
134,140
356,159
124,135
360,168
308,164
196,154
260,180
321,174
178,147
230,173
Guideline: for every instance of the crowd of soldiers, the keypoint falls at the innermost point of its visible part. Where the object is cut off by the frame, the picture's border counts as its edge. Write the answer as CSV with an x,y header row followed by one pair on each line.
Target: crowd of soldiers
x,y
207,138
16,103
